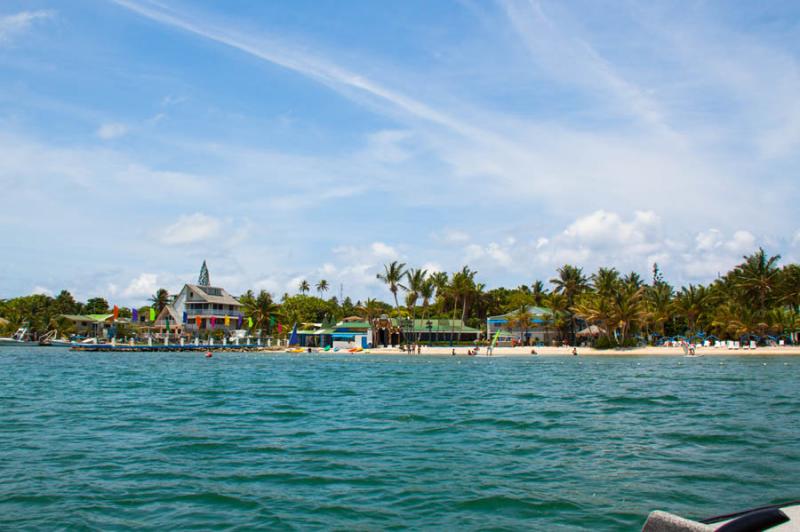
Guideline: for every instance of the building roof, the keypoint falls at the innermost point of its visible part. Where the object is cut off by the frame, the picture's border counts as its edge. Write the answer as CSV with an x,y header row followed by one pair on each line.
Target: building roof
x,y
538,313
224,298
352,325
87,317
437,326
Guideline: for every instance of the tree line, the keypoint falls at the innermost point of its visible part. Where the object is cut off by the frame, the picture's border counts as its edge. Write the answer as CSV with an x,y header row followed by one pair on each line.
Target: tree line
x,y
758,296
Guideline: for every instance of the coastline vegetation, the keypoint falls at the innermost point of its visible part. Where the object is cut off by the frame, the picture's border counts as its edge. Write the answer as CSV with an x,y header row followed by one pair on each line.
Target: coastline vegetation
x,y
757,297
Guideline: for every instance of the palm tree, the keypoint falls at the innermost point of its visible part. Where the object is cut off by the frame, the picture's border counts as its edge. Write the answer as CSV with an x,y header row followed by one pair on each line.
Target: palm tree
x,y
304,287
628,309
605,281
417,279
392,277
570,282
538,293
521,319
322,286
690,303
370,309
757,278
659,299
261,308
160,300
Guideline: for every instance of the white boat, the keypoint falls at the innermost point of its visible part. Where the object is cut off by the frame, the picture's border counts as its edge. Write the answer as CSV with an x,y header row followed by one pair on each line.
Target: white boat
x,y
21,337
51,340
778,518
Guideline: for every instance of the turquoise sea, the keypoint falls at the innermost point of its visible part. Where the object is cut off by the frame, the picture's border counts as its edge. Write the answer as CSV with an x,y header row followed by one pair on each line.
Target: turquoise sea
x,y
298,442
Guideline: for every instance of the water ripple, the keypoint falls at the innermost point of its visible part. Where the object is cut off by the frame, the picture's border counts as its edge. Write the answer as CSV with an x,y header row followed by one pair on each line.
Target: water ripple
x,y
245,441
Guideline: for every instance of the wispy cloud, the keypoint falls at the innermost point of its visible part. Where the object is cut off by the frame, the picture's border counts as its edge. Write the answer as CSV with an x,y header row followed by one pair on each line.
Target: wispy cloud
x,y
12,26
112,131
284,54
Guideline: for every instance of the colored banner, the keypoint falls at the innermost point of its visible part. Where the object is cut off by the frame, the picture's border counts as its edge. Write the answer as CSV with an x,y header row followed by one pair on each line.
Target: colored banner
x,y
166,322
280,328
134,315
152,314
227,321
198,320
116,312
239,323
185,318
250,322
213,321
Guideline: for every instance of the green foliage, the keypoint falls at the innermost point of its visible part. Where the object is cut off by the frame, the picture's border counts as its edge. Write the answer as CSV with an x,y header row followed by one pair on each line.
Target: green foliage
x,y
96,305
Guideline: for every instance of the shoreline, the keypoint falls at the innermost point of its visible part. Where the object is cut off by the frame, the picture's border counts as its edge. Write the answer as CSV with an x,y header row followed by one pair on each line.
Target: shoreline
x,y
588,351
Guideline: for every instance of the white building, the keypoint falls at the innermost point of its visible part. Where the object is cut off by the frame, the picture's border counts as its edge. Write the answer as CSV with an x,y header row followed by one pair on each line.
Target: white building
x,y
202,307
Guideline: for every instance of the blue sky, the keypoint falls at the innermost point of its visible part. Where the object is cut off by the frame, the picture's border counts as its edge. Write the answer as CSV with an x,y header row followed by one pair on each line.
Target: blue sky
x,y
321,139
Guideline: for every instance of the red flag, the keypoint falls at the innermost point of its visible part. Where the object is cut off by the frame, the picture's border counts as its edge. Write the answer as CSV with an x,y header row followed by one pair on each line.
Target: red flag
x,y
116,312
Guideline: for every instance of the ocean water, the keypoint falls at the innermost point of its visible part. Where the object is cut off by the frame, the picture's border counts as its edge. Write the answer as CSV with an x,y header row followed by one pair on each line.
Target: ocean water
x,y
288,442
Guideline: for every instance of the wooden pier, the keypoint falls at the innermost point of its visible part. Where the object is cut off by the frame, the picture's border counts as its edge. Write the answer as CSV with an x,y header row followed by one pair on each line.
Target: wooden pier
x,y
127,348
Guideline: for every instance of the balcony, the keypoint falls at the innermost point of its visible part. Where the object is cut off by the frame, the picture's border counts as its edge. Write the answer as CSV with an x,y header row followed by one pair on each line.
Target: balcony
x,y
211,312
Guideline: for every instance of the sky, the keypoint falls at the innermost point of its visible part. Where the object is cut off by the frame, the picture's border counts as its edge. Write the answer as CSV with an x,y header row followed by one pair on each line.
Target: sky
x,y
320,139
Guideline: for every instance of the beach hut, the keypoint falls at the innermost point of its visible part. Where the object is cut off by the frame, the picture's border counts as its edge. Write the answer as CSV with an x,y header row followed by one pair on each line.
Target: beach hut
x,y
591,331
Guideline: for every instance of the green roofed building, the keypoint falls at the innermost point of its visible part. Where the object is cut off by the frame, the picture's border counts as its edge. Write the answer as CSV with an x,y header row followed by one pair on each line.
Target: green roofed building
x,y
93,325
394,331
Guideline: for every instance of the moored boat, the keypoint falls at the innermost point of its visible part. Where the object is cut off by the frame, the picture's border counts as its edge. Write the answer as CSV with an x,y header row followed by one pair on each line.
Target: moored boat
x,y
21,337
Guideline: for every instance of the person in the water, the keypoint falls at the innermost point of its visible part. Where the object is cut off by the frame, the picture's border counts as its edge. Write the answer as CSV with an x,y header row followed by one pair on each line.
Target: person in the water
x,y
575,351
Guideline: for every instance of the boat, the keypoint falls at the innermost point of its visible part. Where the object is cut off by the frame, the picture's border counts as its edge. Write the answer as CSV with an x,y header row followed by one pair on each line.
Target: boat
x,y
51,340
778,518
21,337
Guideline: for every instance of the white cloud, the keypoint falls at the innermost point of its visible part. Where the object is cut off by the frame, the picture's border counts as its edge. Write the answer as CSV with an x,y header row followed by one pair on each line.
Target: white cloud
x,y
742,242
112,131
41,290
13,25
145,285
383,251
451,236
190,229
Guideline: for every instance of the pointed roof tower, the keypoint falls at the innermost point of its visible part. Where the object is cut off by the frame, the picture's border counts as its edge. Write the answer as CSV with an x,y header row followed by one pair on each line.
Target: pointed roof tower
x,y
204,280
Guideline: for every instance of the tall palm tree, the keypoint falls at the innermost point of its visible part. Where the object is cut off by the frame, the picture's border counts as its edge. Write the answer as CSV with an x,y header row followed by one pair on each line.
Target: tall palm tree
x,y
628,309
605,281
370,309
690,303
538,293
322,286
392,276
261,308
304,287
416,278
570,282
160,299
521,319
659,300
757,278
